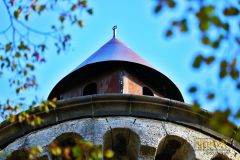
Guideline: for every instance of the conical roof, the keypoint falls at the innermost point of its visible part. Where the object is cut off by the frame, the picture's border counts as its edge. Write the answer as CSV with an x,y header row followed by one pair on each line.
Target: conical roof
x,y
114,50
115,54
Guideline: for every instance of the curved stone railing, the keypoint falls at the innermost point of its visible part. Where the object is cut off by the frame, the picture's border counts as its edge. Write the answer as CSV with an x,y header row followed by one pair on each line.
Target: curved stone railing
x,y
117,105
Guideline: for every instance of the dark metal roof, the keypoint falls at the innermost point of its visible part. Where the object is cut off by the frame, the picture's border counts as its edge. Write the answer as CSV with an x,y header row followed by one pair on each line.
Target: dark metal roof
x,y
114,50
115,54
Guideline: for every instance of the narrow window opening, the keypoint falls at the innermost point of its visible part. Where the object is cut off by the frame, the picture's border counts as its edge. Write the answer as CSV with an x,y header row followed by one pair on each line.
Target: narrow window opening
x,y
65,141
220,157
174,148
124,142
147,92
120,146
18,155
170,149
90,89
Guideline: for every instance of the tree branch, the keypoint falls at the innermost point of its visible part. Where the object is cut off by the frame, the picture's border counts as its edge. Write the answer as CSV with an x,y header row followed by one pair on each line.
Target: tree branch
x,y
5,30
34,30
11,22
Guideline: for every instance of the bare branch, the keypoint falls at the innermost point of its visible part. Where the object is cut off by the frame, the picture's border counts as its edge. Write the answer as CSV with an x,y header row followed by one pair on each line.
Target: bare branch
x,y
5,30
34,30
11,18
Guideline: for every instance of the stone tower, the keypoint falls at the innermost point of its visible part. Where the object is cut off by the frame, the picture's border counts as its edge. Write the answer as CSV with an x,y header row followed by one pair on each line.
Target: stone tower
x,y
117,100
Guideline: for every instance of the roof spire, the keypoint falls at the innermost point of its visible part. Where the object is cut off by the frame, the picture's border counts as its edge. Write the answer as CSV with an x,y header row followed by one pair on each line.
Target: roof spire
x,y
114,31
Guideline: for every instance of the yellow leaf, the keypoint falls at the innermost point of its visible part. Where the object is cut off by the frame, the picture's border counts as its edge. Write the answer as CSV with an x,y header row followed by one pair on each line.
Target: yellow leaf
x,y
52,104
89,144
109,153
56,151
80,23
37,120
73,7
46,109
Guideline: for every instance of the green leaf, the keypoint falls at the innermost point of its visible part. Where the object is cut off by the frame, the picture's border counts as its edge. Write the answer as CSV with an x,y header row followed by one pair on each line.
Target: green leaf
x,y
204,25
43,47
27,16
223,69
18,54
224,64
17,12
234,73
25,72
90,11
96,155
215,44
237,135
41,8
80,23
210,96
168,33
209,10
73,8
18,90
184,27
62,19
2,65
192,89
171,3
231,11
7,61
34,7
196,106
225,26
83,3
31,67
205,40
198,61
8,46
22,46
76,150
209,60
226,129
216,21
158,8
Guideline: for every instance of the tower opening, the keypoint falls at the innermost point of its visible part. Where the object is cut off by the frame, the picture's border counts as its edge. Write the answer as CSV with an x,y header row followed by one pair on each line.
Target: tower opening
x,y
220,157
174,148
90,89
170,149
64,141
120,145
18,155
124,142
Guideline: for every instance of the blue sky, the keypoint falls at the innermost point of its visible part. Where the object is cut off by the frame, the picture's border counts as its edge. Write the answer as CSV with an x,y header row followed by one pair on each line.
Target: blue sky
x,y
138,27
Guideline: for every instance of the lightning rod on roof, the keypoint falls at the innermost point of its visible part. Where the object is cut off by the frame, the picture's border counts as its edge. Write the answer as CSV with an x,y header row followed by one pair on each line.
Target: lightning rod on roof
x,y
114,31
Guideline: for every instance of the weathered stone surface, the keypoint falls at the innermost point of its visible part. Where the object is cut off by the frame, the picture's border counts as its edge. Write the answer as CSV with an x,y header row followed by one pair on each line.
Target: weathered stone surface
x,y
151,118
150,132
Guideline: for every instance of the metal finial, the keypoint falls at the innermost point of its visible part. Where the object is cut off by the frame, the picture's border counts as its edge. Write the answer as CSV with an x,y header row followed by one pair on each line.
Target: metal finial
x,y
114,31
